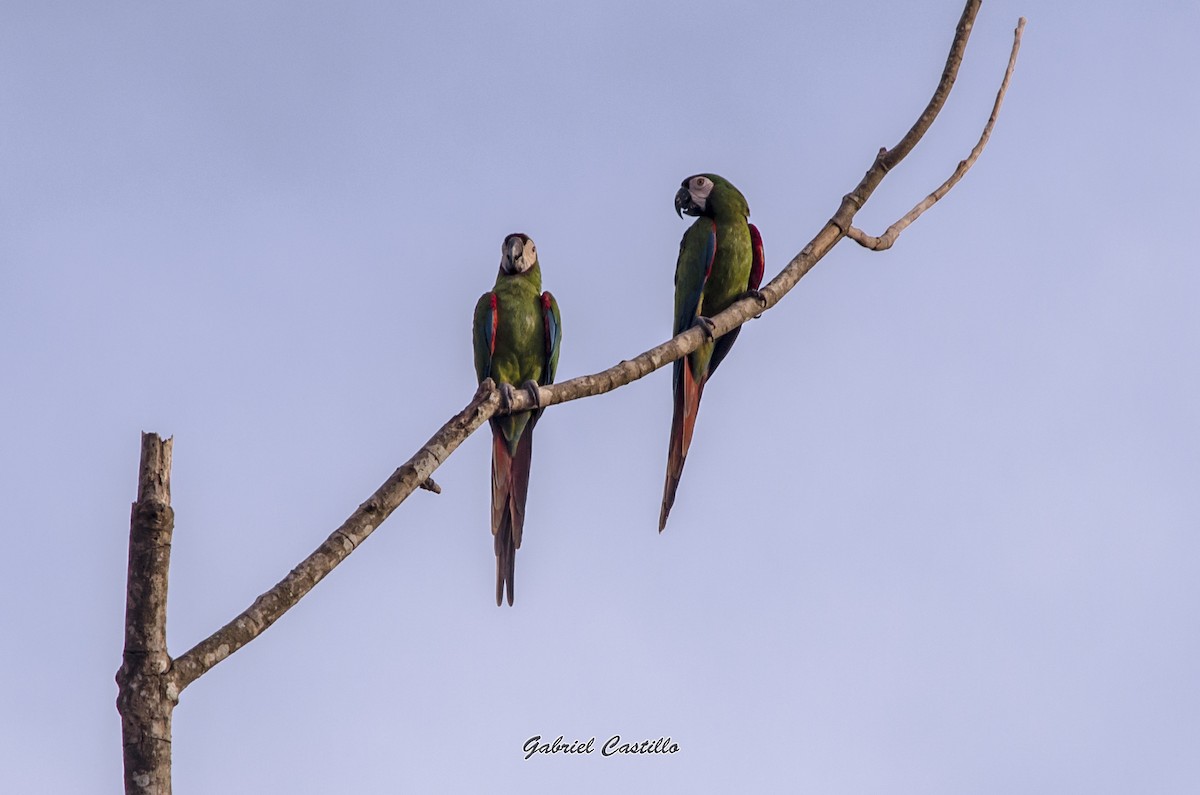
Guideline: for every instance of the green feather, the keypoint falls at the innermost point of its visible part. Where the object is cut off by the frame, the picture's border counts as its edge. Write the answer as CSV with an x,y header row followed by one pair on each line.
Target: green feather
x,y
727,279
520,352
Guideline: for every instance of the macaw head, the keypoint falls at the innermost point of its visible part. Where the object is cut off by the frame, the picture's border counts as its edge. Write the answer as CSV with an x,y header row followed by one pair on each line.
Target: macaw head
x,y
518,254
705,194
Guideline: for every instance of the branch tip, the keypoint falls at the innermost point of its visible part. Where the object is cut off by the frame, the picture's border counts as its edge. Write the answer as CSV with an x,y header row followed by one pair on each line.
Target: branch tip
x,y
888,238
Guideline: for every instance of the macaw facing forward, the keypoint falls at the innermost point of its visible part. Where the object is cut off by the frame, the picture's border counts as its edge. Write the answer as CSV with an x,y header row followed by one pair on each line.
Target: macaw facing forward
x,y
720,261
516,333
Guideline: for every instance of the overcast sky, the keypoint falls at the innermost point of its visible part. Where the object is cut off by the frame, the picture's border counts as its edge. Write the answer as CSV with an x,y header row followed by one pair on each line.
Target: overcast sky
x,y
938,530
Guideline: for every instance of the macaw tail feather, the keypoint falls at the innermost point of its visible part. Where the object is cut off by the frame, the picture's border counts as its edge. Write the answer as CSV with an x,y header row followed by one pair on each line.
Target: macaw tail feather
x,y
510,486
721,350
506,560
683,422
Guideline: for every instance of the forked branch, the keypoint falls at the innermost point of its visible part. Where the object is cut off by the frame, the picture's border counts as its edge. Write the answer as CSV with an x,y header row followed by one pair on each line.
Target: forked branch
x,y
888,238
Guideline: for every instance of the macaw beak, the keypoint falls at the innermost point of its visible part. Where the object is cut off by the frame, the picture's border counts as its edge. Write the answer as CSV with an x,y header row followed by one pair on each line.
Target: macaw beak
x,y
685,205
509,255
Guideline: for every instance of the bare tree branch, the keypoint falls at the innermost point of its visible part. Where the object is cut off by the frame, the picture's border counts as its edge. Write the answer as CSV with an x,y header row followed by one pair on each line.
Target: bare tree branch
x,y
145,693
747,308
300,580
888,238
485,404
149,681
268,607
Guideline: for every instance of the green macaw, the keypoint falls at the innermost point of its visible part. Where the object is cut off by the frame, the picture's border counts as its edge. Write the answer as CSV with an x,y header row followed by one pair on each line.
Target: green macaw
x,y
517,331
720,261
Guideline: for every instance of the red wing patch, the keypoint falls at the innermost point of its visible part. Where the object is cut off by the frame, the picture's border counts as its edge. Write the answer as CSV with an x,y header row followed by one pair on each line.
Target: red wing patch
x,y
491,337
548,330
758,262
711,252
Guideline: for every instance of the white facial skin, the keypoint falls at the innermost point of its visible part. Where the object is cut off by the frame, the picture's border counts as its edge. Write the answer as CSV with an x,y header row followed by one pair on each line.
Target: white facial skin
x,y
699,187
517,254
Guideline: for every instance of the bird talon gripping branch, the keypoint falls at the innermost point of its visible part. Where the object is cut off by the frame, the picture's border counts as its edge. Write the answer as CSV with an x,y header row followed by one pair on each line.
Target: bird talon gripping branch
x,y
507,394
759,298
534,391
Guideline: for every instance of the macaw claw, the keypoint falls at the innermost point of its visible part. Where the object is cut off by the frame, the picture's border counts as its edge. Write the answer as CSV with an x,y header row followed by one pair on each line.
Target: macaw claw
x,y
534,390
507,393
709,327
757,296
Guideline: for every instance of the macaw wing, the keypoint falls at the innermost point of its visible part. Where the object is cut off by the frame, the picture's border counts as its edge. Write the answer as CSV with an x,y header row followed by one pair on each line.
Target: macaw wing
x,y
696,253
758,262
552,326
483,333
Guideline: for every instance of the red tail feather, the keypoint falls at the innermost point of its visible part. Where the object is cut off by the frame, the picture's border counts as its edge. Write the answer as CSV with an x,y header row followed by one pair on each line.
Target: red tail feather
x,y
510,487
683,422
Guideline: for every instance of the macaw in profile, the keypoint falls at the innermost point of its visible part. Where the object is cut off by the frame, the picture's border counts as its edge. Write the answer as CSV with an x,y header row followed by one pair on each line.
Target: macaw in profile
x,y
516,333
720,261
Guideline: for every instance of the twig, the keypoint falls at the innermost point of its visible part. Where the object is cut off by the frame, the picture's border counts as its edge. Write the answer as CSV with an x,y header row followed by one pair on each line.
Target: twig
x,y
888,238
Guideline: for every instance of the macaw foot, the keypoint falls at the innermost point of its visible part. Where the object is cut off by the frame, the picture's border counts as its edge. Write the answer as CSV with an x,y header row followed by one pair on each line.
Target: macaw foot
x,y
507,393
757,296
534,390
709,327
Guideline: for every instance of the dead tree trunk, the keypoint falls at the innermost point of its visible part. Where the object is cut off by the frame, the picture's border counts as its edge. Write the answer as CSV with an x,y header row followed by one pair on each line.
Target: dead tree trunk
x,y
146,692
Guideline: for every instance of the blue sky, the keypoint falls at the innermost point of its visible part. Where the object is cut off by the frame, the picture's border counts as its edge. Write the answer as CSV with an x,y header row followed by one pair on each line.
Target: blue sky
x,y
938,529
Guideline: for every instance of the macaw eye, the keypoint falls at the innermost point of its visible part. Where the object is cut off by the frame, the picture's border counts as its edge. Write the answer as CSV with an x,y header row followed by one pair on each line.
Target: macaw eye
x,y
699,182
